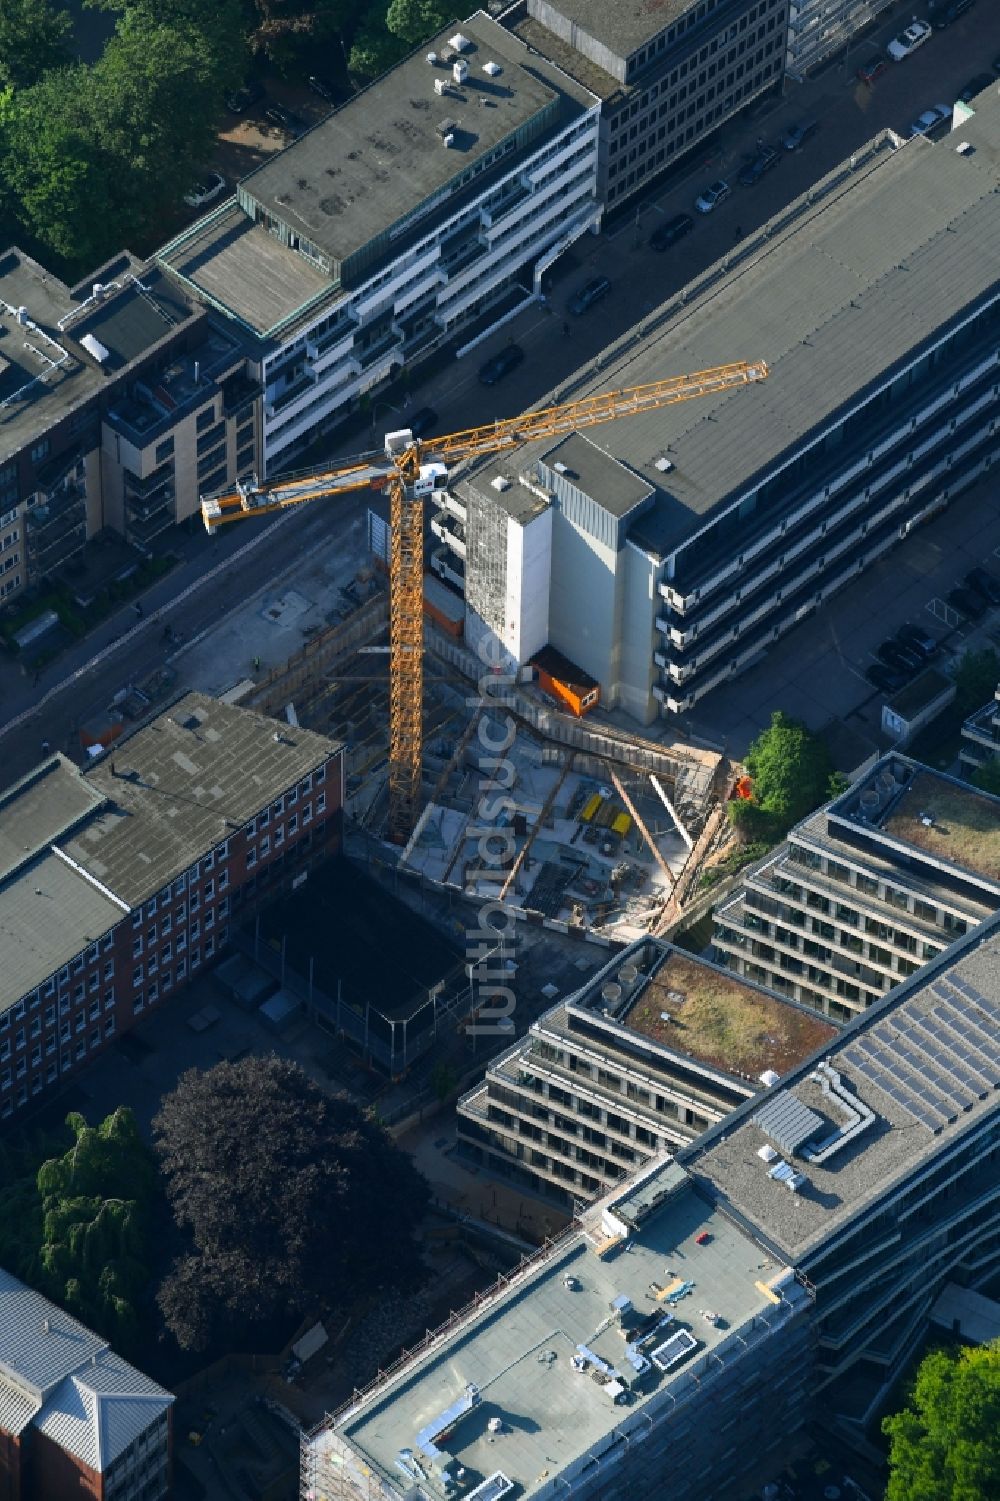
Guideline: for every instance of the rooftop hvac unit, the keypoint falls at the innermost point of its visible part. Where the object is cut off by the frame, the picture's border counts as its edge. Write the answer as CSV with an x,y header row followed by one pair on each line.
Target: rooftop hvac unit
x,y
22,316
493,69
500,482
432,58
449,141
459,42
460,70
560,467
663,464
440,85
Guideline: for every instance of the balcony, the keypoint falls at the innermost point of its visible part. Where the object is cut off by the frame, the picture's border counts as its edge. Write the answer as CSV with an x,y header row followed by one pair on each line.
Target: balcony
x,y
343,326
389,343
56,529
449,531
238,393
826,476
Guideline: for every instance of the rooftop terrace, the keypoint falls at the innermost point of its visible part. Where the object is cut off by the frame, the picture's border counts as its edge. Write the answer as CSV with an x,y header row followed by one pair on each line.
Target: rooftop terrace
x,y
240,266
699,1011
956,826
549,1354
955,822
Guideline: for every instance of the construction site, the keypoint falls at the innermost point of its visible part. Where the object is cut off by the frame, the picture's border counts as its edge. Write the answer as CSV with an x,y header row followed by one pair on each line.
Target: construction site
x,y
520,791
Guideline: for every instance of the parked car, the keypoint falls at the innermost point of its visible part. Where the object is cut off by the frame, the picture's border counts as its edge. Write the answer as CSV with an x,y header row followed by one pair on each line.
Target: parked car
x,y
985,584
885,678
976,86
919,639
754,170
501,364
322,87
798,134
915,35
931,121
590,294
279,115
712,197
669,233
425,420
900,658
211,185
967,603
872,68
945,14
240,100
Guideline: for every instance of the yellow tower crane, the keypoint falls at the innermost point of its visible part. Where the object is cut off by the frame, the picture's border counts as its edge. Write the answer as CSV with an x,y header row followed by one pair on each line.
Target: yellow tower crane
x,y
411,469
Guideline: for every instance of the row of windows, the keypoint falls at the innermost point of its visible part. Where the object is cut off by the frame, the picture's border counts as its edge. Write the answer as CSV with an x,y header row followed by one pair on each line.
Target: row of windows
x,y
165,980
705,75
288,800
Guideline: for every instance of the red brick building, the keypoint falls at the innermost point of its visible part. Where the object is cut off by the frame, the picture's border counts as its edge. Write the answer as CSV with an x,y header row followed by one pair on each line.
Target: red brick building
x,y
119,882
77,1423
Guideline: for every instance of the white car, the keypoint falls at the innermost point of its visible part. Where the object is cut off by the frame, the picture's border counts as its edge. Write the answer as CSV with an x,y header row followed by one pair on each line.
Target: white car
x,y
909,40
204,191
712,197
931,120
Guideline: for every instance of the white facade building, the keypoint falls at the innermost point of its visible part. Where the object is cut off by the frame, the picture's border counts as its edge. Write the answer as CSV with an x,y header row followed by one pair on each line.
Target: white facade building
x,y
442,191
817,29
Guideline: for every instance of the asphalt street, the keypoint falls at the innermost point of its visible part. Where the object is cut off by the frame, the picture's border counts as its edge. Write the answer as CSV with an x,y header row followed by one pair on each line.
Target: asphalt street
x,y
216,576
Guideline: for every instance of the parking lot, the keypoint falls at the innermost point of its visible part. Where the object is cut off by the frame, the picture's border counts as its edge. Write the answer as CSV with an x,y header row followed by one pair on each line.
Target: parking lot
x,y
817,671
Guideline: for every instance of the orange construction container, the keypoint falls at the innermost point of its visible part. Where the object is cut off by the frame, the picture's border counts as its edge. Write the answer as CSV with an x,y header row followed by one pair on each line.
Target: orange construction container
x,y
575,689
447,610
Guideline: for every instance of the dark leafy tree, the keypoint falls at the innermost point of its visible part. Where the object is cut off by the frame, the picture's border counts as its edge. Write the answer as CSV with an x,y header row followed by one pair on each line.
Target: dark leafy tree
x,y
375,48
976,678
413,21
792,774
129,133
946,1445
289,1197
34,38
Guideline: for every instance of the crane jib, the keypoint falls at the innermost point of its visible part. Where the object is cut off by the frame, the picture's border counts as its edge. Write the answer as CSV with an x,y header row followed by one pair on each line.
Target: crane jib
x,y
411,469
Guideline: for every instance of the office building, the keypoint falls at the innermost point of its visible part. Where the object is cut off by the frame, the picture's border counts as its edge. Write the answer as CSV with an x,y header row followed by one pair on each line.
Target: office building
x,y
784,1266
443,190
75,1419
121,400
866,890
684,542
981,737
119,882
654,1049
667,76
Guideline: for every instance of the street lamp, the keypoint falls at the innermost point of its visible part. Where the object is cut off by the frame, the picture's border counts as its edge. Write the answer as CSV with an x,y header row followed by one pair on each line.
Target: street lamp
x,y
389,407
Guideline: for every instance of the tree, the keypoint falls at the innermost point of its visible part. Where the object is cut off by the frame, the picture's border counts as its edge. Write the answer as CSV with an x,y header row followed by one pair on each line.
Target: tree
x,y
129,133
96,1201
976,678
946,1445
375,49
792,774
33,39
289,1197
413,21
987,776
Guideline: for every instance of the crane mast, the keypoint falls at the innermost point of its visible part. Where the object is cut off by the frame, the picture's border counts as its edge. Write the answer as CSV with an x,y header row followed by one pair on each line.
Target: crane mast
x,y
412,468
